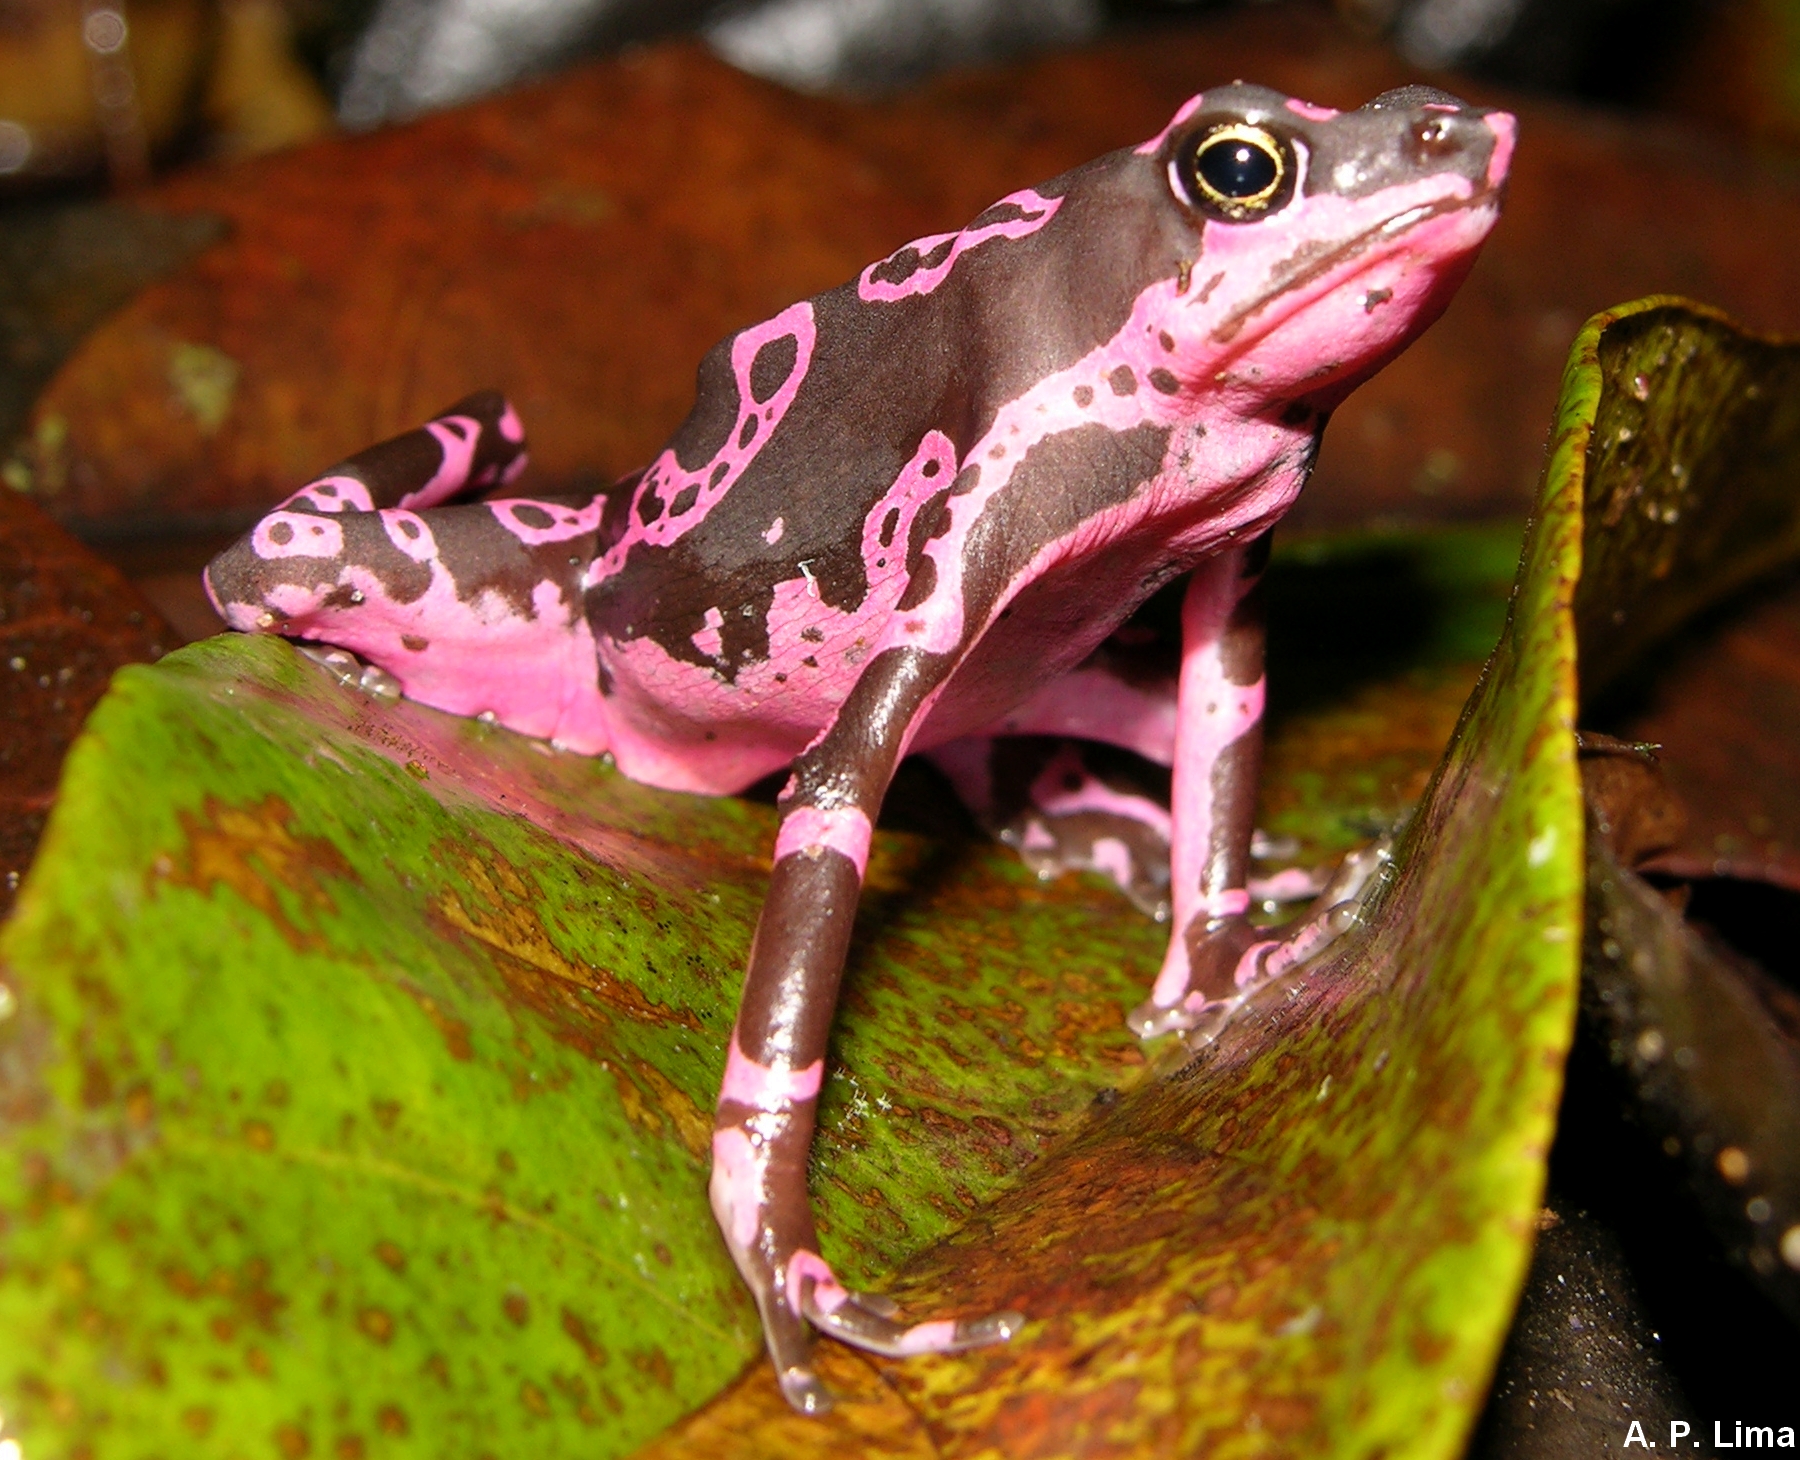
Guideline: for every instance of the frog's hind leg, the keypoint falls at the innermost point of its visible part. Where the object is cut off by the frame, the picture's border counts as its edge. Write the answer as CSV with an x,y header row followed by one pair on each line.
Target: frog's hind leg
x,y
475,445
478,609
1100,803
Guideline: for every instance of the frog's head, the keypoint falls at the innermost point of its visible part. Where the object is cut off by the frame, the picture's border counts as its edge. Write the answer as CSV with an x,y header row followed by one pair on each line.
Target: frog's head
x,y
1321,241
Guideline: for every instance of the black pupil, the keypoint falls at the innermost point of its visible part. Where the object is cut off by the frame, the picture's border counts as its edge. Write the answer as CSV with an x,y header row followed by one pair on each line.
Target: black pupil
x,y
1234,168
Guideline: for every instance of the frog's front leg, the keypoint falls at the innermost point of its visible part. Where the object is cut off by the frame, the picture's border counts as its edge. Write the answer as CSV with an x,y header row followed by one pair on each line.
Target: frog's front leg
x,y
776,1060
1213,952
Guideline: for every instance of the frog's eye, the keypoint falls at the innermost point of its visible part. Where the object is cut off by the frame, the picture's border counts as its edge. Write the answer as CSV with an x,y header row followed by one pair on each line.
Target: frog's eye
x,y
1234,171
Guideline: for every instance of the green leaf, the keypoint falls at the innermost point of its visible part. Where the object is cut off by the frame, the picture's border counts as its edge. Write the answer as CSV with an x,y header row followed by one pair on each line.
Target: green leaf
x,y
356,1097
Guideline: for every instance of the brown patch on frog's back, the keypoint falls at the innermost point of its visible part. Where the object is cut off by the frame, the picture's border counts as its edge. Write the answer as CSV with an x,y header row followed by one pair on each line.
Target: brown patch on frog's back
x,y
882,375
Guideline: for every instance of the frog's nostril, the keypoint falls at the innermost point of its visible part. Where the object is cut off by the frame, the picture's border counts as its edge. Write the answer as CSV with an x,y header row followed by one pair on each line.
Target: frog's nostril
x,y
1435,136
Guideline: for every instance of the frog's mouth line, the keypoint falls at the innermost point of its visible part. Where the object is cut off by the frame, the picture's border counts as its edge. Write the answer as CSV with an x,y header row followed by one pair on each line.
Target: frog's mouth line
x,y
1232,325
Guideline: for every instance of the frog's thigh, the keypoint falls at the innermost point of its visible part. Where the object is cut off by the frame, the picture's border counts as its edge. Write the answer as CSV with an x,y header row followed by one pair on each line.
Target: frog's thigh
x,y
1096,702
476,610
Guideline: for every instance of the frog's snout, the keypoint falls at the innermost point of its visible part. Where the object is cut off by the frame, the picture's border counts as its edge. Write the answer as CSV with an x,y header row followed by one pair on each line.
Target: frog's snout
x,y
232,582
1443,129
245,581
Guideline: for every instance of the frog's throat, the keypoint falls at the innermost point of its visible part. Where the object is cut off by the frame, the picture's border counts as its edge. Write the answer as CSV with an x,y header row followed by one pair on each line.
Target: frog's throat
x,y
1228,329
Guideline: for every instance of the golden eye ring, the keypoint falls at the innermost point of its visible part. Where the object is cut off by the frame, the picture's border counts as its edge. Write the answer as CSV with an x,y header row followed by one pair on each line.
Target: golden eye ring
x,y
1235,171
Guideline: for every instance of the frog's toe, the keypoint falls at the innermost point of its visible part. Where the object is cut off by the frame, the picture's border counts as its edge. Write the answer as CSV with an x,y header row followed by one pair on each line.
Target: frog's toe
x,y
802,1389
880,1304
1196,1016
858,1322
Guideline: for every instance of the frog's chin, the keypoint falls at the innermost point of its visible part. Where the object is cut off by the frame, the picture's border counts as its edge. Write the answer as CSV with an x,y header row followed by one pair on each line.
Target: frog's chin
x,y
1358,303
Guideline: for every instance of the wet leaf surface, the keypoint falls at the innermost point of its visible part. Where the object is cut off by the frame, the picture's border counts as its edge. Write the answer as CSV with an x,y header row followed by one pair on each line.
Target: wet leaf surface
x,y
581,243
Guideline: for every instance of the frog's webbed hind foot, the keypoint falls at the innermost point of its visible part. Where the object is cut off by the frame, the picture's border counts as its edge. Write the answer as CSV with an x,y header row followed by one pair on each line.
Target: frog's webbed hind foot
x,y
1337,909
872,1322
867,1321
1047,801
873,1325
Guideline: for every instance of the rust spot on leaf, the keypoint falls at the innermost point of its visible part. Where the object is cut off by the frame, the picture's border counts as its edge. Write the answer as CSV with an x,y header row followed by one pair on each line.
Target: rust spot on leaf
x,y
376,1323
654,1365
591,1348
454,1030
505,919
253,851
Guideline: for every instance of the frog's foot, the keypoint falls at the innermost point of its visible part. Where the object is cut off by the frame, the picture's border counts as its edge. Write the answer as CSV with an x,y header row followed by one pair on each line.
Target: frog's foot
x,y
1201,1007
1076,821
870,1321
1043,800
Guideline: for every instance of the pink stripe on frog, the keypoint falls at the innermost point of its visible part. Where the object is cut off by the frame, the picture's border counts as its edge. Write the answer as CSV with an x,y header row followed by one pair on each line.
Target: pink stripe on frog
x,y
738,1185
1051,795
667,478
928,1338
1290,884
844,830
333,494
456,437
1505,128
763,1087
297,535
1227,902
1154,145
828,1292
1037,209
1309,110
1109,856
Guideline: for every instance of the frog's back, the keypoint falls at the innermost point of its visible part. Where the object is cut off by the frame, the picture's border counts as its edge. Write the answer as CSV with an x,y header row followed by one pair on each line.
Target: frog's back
x,y
789,516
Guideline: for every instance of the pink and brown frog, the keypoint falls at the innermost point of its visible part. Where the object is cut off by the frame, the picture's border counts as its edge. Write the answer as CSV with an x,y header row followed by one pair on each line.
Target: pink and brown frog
x,y
906,516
